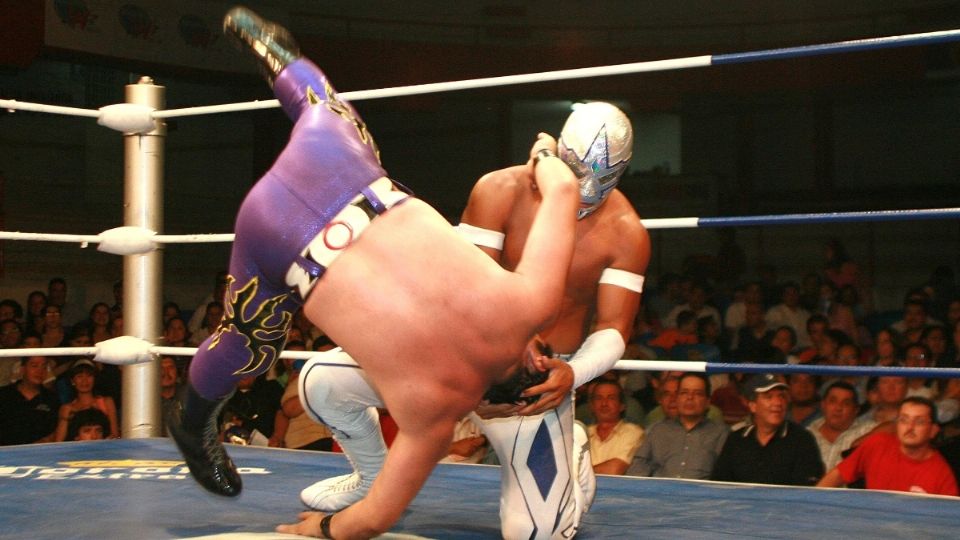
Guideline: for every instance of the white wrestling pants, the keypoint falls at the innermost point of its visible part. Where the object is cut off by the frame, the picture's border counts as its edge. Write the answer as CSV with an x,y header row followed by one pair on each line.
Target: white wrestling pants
x,y
541,497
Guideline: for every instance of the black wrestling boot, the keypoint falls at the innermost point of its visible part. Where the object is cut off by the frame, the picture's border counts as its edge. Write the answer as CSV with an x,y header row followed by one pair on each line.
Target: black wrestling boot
x,y
272,44
194,428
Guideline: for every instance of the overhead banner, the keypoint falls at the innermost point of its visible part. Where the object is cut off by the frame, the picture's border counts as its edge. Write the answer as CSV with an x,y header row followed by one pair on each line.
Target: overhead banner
x,y
171,32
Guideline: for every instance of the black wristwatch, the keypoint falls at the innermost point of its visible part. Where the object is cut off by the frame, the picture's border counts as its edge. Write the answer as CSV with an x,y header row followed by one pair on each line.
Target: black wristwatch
x,y
325,526
543,153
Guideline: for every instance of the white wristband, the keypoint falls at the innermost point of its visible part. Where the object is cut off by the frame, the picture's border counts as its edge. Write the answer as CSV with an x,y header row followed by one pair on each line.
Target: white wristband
x,y
598,354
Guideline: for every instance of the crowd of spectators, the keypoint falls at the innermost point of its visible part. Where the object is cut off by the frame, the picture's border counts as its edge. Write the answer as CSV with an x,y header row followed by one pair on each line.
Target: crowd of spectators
x,y
883,432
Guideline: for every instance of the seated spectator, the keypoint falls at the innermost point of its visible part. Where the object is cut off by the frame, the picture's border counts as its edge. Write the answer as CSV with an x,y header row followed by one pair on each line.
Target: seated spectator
x,y
469,444
937,342
948,404
770,450
100,321
54,334
211,320
905,461
697,303
613,442
10,338
11,309
789,312
730,401
804,399
635,409
784,340
848,354
82,378
253,408
175,334
915,318
34,321
170,386
88,425
885,395
887,348
685,446
817,326
685,332
29,409
917,355
300,431
666,391
735,317
171,310
838,429
753,343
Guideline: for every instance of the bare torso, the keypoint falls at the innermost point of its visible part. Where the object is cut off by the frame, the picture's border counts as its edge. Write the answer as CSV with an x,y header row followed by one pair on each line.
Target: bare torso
x,y
611,236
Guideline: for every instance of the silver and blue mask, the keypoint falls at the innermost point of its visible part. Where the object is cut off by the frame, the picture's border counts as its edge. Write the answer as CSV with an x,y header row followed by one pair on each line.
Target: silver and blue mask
x,y
596,143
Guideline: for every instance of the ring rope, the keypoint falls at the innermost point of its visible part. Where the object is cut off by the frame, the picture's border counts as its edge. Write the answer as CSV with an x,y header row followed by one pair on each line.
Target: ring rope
x,y
924,38
143,240
126,350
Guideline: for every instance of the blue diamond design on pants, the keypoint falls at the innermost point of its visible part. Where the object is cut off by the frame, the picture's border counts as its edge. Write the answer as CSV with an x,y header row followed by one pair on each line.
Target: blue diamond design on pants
x,y
541,461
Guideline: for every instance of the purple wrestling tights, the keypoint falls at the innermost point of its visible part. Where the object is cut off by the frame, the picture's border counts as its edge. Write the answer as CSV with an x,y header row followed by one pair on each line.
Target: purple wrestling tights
x,y
329,158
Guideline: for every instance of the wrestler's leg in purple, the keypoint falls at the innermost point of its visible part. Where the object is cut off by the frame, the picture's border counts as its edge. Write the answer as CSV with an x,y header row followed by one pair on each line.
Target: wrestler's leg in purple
x,y
330,158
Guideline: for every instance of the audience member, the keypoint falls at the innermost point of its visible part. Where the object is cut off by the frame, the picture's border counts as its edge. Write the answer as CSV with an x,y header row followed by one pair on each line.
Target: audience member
x,y
53,334
57,296
613,441
887,348
687,445
785,342
840,316
82,377
804,400
736,315
116,310
886,394
937,342
915,319
789,312
99,322
29,408
697,303
729,399
770,450
905,461
199,314
33,319
753,343
810,292
469,445
10,338
817,326
301,433
88,425
917,355
211,320
253,407
685,332
11,309
170,387
839,428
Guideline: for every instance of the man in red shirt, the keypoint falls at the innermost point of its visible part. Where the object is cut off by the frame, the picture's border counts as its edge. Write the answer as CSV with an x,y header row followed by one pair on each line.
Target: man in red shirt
x,y
902,462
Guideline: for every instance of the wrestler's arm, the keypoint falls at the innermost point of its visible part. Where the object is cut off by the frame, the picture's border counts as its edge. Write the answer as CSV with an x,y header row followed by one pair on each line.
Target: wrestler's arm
x,y
484,220
611,466
549,246
617,304
412,456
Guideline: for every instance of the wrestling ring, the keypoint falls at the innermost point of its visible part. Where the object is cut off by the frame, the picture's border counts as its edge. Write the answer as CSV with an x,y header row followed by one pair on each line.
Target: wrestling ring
x,y
138,487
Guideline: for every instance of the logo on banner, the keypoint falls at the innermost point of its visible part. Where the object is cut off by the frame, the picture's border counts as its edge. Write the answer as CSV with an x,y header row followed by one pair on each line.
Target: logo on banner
x,y
123,469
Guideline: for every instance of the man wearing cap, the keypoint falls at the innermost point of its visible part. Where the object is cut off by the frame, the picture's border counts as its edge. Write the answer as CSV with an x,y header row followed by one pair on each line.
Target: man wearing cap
x,y
771,449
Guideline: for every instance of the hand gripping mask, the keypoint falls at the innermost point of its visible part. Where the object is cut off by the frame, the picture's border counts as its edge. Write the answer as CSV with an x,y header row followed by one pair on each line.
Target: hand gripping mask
x,y
596,143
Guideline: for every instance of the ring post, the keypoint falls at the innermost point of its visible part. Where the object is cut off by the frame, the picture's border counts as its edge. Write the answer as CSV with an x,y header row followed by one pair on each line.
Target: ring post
x,y
142,274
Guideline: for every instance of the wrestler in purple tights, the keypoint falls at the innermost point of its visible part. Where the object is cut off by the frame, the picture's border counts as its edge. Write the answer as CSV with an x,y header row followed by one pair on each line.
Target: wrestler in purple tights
x,y
329,160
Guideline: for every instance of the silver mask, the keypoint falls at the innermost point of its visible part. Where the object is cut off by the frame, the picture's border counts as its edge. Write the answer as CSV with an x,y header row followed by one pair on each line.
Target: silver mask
x,y
596,143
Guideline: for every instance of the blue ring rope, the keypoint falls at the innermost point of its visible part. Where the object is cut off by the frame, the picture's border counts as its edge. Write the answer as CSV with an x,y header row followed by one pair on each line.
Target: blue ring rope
x,y
836,48
840,371
832,217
